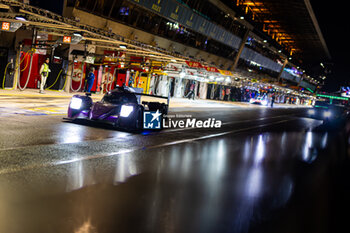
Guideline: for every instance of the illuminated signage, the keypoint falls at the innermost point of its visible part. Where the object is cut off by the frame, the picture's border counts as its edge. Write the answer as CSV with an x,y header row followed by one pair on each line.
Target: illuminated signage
x,y
9,27
67,39
310,90
293,71
5,26
345,91
333,97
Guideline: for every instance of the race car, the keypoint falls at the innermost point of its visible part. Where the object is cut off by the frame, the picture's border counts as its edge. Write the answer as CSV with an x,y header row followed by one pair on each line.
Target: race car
x,y
120,108
259,100
327,112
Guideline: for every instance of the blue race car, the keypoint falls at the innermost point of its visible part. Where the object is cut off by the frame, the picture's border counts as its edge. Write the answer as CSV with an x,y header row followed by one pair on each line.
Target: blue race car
x,y
328,112
120,108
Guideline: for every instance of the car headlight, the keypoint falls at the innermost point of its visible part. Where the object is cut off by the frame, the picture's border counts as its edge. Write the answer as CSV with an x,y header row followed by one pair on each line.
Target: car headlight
x,y
75,103
327,114
126,110
251,101
264,102
311,112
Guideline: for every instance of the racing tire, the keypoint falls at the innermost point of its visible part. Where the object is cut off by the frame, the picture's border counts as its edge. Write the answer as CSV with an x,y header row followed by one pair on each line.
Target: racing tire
x,y
138,125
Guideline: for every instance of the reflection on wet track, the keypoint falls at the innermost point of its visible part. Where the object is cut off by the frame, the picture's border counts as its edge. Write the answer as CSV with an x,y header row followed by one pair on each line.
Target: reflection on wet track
x,y
100,180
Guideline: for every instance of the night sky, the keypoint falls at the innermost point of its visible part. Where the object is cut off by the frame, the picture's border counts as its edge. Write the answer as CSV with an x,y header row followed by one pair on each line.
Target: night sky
x,y
334,23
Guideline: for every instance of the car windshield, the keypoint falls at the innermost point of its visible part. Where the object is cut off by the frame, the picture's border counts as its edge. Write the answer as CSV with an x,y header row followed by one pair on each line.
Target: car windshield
x,y
119,97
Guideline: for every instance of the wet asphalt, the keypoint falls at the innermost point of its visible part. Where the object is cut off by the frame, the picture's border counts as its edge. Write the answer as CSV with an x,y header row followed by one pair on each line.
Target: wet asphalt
x,y
264,170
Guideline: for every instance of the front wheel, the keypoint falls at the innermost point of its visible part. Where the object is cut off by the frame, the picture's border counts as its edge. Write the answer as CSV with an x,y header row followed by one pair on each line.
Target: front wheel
x,y
139,120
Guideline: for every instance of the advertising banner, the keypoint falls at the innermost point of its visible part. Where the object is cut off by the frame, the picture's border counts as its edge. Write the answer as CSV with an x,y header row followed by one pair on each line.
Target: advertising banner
x,y
203,26
221,35
225,72
211,69
194,64
173,67
191,72
158,6
174,11
213,31
189,18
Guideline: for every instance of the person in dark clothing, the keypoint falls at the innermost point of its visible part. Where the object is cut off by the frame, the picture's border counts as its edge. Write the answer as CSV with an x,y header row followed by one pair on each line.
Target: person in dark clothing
x,y
273,100
90,79
191,92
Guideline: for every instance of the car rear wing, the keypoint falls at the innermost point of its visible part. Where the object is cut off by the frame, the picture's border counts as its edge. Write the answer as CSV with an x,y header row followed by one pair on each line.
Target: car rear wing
x,y
155,96
139,92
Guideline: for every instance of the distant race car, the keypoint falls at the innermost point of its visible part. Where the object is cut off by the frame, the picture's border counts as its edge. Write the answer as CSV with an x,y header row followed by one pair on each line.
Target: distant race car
x,y
259,100
120,108
327,112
